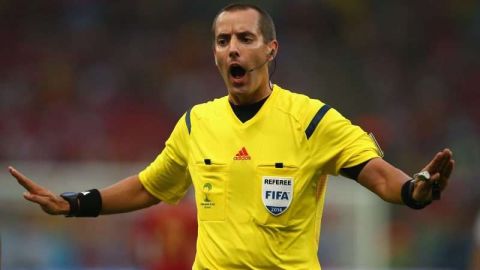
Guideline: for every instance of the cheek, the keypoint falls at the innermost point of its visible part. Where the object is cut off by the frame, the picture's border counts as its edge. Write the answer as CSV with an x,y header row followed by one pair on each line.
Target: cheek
x,y
219,59
221,64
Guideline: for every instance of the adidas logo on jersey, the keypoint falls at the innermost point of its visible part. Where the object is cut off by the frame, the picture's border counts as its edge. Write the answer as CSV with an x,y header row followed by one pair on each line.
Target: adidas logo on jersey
x,y
242,155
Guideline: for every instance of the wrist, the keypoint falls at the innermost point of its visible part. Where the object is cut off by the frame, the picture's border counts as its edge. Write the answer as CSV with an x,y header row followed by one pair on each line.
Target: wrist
x,y
424,176
71,203
83,204
64,207
407,196
419,194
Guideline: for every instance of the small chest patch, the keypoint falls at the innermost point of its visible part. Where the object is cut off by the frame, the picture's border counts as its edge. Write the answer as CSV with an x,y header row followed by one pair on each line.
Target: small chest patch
x,y
277,193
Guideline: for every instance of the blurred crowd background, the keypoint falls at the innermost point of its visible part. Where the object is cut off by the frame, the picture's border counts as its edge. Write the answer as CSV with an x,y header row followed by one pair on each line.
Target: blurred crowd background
x,y
105,81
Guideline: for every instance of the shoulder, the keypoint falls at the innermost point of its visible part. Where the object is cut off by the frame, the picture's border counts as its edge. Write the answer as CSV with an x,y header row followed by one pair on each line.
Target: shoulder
x,y
299,106
205,112
208,109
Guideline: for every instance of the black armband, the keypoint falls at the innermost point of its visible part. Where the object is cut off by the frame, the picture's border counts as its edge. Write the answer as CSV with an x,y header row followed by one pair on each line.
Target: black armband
x,y
353,172
84,204
407,196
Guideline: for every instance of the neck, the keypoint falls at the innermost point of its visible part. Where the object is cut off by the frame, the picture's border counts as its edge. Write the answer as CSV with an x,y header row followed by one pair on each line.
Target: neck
x,y
250,97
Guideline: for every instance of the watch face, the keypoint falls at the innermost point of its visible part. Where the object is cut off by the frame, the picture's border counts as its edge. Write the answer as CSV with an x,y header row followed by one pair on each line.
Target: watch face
x,y
422,176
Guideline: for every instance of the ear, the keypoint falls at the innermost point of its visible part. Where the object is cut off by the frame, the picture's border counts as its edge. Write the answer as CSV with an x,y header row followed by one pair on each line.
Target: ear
x,y
215,57
273,49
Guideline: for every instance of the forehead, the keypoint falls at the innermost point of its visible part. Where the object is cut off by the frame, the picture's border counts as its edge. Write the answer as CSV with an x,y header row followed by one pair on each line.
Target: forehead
x,y
237,21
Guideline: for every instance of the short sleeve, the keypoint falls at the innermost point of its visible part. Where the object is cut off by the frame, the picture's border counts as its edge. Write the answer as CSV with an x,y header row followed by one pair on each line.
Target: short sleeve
x,y
167,177
336,143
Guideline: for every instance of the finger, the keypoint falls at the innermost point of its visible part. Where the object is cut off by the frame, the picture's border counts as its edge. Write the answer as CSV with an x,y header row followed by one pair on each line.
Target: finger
x,y
447,171
439,161
41,200
449,168
424,185
447,155
433,166
434,177
442,177
448,152
422,190
28,184
48,203
444,162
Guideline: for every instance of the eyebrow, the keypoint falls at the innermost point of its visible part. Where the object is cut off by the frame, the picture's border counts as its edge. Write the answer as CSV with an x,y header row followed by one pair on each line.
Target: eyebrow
x,y
243,33
246,33
222,35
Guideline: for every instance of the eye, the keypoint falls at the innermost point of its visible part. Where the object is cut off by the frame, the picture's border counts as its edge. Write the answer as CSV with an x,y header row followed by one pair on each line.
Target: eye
x,y
221,41
246,38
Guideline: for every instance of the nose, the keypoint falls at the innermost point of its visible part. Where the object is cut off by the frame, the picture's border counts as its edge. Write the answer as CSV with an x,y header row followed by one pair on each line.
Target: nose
x,y
233,51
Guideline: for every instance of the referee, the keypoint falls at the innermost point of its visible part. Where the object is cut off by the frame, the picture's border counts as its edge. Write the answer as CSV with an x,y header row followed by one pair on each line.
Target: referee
x,y
258,159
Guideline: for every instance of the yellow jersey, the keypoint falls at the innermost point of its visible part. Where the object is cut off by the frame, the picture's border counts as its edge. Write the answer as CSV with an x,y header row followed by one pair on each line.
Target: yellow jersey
x,y
259,185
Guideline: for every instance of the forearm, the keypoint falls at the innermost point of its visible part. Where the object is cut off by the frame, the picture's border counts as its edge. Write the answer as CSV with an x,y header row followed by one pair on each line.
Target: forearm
x,y
125,196
383,179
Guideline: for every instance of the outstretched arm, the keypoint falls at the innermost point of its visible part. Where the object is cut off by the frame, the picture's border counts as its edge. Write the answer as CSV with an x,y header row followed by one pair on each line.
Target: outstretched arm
x,y
124,196
386,181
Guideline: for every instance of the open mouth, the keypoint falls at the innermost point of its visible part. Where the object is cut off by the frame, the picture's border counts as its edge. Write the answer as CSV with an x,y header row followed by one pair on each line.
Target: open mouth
x,y
237,71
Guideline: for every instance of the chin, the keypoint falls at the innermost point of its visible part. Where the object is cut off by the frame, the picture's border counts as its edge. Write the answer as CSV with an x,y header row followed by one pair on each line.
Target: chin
x,y
243,89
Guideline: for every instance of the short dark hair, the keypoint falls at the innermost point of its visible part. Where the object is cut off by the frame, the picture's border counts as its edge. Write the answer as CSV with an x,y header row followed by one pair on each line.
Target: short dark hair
x,y
265,23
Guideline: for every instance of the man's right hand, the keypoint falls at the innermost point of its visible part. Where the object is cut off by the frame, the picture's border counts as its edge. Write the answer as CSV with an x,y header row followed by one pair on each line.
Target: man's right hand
x,y
50,203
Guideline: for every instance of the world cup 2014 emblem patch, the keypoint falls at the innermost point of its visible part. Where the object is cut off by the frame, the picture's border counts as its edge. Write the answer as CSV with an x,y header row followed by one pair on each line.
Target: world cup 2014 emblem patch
x,y
277,193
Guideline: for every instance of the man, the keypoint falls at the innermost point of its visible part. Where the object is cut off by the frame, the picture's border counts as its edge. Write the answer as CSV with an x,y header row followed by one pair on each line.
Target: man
x,y
258,160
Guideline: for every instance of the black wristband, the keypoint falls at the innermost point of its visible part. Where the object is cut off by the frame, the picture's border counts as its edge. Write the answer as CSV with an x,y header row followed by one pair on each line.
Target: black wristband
x,y
407,196
72,199
90,203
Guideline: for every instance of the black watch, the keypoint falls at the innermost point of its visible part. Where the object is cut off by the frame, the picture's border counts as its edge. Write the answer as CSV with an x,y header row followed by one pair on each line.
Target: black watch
x,y
72,199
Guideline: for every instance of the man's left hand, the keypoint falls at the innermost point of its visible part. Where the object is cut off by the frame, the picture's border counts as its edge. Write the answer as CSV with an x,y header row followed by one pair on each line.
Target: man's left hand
x,y
440,169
